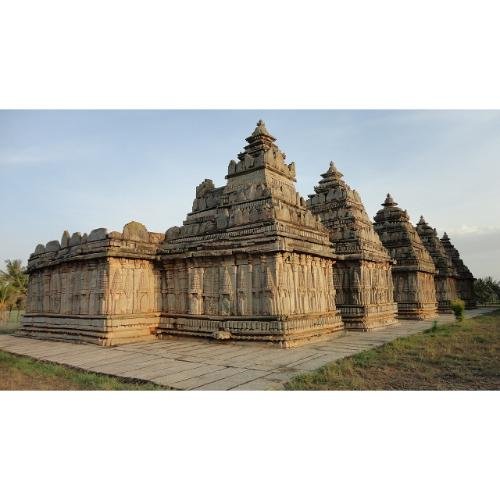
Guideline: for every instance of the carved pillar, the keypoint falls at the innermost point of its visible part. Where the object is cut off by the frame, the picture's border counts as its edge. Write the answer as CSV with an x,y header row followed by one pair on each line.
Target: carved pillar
x,y
84,289
103,291
93,292
46,291
195,276
243,286
226,291
55,295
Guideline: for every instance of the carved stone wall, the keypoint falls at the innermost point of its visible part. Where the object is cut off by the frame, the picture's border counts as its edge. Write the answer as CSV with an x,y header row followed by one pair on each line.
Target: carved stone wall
x,y
101,288
363,279
250,297
413,273
77,288
248,285
465,282
446,277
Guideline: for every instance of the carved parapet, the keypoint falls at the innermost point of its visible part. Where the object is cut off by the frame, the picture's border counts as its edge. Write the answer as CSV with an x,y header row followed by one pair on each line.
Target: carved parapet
x,y
134,242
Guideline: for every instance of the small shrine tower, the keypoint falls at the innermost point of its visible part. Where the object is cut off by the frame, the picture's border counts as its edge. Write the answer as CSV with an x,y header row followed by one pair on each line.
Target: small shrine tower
x,y
446,278
363,279
413,273
465,278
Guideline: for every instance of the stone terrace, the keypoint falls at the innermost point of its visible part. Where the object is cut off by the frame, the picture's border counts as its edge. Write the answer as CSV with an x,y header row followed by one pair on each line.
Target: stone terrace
x,y
186,363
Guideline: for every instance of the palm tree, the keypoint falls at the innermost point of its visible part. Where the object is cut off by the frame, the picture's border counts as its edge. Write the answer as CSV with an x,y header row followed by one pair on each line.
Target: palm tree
x,y
7,296
15,281
15,274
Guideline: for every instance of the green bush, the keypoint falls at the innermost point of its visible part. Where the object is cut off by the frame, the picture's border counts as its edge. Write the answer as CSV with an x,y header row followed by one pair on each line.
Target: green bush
x,y
458,308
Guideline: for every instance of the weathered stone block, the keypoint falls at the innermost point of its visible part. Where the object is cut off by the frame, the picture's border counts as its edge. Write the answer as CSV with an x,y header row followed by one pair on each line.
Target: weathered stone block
x,y
97,234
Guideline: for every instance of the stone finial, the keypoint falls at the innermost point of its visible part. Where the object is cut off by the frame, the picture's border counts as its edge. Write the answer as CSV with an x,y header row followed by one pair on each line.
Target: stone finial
x,y
333,168
260,129
422,220
98,234
53,246
389,201
260,134
39,249
332,172
135,231
65,239
76,239
445,236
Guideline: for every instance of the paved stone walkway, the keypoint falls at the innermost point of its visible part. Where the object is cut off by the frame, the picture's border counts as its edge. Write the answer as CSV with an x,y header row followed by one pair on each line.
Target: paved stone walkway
x,y
207,365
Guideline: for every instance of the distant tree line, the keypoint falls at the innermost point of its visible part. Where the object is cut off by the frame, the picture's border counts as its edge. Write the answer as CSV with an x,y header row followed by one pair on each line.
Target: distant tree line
x,y
487,290
13,287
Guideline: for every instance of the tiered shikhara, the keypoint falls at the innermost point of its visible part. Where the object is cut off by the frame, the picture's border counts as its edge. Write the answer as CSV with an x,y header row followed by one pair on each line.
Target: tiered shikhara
x,y
252,261
363,280
465,282
413,273
446,276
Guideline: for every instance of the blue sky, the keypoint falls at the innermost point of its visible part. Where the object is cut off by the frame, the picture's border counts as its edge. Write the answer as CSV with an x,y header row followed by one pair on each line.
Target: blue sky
x,y
79,170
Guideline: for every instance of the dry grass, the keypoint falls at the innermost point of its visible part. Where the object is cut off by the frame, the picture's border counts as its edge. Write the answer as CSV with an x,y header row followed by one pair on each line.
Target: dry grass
x,y
23,373
11,322
460,356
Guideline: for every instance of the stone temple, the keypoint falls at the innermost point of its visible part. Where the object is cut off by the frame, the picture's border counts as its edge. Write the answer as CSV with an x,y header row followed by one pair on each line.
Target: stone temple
x,y
446,277
252,261
363,279
414,270
465,283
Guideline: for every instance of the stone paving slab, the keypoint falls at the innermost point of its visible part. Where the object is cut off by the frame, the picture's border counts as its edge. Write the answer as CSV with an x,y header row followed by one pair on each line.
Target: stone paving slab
x,y
171,379
208,378
201,364
233,381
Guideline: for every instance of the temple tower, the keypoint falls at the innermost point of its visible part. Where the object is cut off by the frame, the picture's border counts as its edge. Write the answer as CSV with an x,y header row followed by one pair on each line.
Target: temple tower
x,y
363,279
465,283
413,273
446,278
250,261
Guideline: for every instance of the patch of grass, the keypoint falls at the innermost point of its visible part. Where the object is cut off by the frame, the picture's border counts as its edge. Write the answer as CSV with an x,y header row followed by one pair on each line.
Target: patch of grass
x,y
23,373
11,322
460,356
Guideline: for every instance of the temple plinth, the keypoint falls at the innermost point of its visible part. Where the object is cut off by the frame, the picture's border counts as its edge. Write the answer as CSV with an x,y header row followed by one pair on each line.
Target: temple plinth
x,y
363,278
414,270
446,278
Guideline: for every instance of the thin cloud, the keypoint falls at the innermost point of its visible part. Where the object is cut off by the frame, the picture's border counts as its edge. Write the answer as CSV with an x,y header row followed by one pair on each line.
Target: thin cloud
x,y
465,230
20,159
